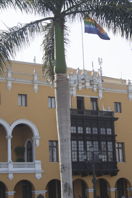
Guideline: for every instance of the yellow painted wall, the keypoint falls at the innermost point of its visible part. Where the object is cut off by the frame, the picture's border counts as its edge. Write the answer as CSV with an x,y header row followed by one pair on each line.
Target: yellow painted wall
x,y
37,112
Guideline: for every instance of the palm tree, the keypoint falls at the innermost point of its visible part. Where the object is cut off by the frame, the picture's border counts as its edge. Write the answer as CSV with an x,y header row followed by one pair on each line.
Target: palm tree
x,y
114,14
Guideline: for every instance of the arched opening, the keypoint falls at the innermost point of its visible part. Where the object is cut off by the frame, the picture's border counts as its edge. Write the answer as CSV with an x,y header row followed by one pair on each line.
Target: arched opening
x,y
21,133
29,151
3,145
3,190
122,188
80,189
102,188
23,189
54,189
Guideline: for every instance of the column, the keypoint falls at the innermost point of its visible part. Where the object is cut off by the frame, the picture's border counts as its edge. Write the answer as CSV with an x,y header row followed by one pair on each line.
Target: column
x,y
90,189
39,193
112,192
9,147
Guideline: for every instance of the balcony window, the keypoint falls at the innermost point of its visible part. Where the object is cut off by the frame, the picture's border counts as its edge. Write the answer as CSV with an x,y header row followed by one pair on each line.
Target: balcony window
x,y
73,129
89,153
110,151
81,150
88,130
53,151
22,99
102,131
80,129
95,130
74,150
109,131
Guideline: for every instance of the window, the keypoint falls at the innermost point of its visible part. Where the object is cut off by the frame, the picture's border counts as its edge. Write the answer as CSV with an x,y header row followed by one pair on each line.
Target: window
x,y
92,150
81,150
88,130
74,150
95,130
51,102
117,107
29,151
120,152
53,151
94,102
73,129
22,99
110,151
80,103
109,131
106,151
103,151
89,153
102,131
80,129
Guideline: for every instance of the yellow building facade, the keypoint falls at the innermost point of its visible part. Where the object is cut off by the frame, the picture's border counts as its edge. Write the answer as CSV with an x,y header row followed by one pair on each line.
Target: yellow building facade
x,y
101,132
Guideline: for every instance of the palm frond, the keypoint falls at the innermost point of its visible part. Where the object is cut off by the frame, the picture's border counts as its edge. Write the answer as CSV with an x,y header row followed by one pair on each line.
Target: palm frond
x,y
23,5
15,38
114,14
4,56
48,47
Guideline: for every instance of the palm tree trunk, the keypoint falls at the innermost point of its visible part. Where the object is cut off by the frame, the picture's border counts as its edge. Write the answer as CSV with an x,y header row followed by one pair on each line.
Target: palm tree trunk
x,y
64,136
63,112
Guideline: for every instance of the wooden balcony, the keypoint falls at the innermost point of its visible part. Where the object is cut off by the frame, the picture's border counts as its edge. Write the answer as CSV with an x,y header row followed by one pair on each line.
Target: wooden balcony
x,y
101,168
92,113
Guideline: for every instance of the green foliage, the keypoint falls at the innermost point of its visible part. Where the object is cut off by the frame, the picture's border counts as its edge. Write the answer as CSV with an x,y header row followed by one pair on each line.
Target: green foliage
x,y
48,48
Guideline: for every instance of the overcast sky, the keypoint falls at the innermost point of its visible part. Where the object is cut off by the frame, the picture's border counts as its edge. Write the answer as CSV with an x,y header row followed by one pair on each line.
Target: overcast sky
x,y
116,53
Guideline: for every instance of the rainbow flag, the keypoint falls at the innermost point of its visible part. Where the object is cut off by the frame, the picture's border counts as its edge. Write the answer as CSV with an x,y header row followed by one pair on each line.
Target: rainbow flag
x,y
92,27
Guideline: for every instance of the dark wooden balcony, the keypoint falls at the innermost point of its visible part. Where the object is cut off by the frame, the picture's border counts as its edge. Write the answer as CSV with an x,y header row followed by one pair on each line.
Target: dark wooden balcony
x,y
92,113
101,168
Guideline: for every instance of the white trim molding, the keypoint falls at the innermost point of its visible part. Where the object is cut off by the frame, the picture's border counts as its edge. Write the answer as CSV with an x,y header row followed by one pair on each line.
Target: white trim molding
x,y
113,189
31,125
10,193
38,192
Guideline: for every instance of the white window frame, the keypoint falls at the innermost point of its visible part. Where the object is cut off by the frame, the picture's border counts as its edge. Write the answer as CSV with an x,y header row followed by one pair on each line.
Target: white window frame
x,y
120,152
22,100
118,107
53,151
51,102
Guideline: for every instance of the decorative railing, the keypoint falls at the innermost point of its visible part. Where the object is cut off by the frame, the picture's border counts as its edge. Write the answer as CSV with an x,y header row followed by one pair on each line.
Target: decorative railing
x,y
21,167
24,165
3,165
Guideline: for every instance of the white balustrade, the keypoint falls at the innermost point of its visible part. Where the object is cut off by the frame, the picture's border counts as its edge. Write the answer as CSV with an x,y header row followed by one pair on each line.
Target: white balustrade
x,y
21,167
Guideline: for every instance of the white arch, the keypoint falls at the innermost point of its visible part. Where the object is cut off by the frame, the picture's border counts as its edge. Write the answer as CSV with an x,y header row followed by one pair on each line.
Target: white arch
x,y
28,123
6,126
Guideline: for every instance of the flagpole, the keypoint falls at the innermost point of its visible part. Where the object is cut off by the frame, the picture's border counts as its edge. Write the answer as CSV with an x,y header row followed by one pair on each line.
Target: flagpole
x,y
82,39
